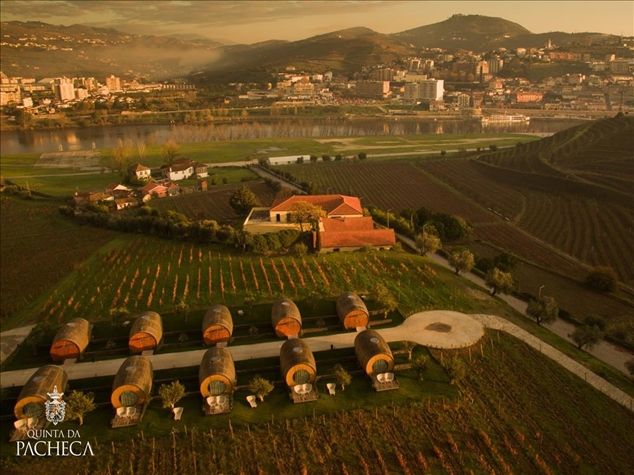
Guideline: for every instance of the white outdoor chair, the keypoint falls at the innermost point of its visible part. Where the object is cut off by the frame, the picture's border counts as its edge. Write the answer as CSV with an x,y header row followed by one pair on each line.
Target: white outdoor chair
x,y
380,377
389,377
220,400
307,387
298,389
121,412
130,411
331,388
31,422
178,412
251,401
211,400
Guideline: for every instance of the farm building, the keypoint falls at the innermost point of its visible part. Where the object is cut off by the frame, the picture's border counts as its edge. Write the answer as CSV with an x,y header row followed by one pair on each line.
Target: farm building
x,y
299,369
286,318
34,395
351,234
133,382
352,311
71,340
217,325
373,353
146,333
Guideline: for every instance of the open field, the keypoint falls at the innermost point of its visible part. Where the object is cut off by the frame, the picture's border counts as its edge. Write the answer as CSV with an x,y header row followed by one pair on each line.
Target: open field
x,y
511,417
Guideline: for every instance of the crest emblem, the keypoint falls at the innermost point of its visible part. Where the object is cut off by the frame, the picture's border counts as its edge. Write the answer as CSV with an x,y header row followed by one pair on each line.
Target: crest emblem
x,y
55,409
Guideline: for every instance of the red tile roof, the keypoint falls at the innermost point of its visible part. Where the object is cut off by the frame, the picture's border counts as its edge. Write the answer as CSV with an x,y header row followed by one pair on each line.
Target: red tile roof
x,y
137,168
152,187
347,224
332,204
374,237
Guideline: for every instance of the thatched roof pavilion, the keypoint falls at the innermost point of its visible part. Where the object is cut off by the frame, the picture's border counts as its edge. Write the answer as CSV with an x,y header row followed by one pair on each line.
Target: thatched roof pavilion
x,y
71,340
297,362
133,382
146,333
373,353
352,311
217,373
217,325
286,318
32,399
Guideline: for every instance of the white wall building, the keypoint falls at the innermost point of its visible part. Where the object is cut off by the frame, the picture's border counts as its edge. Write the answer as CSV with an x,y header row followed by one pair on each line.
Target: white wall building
x,y
428,89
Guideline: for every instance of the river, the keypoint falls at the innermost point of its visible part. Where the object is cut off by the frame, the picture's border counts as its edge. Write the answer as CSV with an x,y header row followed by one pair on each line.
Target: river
x,y
40,141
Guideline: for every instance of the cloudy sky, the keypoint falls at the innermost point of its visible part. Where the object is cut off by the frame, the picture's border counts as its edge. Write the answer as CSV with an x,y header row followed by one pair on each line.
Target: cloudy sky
x,y
253,21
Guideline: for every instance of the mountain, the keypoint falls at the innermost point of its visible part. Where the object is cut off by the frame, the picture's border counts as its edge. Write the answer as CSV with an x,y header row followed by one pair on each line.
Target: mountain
x,y
482,33
36,49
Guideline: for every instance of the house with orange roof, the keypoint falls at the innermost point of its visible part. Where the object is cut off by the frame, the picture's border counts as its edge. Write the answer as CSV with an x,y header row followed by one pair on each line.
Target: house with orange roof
x,y
335,206
152,190
350,234
138,171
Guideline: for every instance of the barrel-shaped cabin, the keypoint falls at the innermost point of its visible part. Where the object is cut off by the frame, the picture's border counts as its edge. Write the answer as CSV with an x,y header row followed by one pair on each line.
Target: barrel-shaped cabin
x,y
373,353
297,363
146,333
217,373
133,382
217,325
352,311
71,340
34,395
286,318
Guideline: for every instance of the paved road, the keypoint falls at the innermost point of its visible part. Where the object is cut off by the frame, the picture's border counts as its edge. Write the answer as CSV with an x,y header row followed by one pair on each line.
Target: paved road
x,y
605,351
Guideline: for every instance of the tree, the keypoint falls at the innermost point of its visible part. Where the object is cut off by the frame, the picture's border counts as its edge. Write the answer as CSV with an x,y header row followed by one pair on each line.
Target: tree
x,y
428,241
325,157
171,393
499,281
462,260
78,404
385,299
303,212
338,157
243,200
260,387
443,153
299,160
342,377
409,347
420,365
629,364
181,309
602,279
122,154
169,151
455,369
493,147
543,310
314,158
587,336
362,156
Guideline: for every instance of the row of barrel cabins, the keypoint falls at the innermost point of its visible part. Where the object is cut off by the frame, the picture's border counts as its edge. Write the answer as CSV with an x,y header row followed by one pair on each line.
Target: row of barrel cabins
x,y
146,331
132,385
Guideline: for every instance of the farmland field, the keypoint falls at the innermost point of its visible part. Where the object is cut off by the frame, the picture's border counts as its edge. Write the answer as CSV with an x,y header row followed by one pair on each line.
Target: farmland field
x,y
511,417
389,185
214,203
39,247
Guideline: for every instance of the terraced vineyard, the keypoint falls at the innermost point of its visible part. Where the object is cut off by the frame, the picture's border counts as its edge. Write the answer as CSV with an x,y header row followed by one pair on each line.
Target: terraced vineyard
x,y
214,203
389,185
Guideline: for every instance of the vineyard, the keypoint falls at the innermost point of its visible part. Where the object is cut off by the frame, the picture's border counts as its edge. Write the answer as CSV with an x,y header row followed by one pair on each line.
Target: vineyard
x,y
389,185
506,420
38,248
213,204
153,274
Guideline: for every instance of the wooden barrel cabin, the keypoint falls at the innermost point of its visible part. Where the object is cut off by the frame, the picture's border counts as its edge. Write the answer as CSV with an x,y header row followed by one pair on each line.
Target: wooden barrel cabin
x,y
297,362
373,353
286,318
352,311
71,340
34,394
217,325
146,333
133,382
217,373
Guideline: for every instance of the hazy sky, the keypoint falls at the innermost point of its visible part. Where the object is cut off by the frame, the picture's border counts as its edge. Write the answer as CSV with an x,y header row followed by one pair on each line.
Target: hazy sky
x,y
253,21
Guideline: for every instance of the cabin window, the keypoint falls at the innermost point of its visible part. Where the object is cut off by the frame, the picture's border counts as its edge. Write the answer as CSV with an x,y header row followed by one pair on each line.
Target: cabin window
x,y
129,398
336,249
278,218
301,376
379,366
216,388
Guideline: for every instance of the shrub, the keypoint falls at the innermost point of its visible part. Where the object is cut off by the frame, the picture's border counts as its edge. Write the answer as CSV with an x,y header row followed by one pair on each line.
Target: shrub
x,y
602,279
